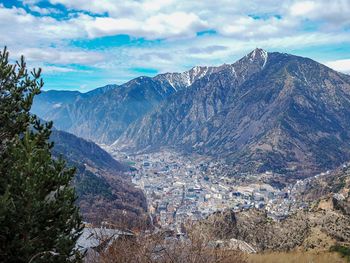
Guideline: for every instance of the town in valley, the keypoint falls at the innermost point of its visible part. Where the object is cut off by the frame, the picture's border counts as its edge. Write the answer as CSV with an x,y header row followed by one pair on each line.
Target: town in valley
x,y
181,187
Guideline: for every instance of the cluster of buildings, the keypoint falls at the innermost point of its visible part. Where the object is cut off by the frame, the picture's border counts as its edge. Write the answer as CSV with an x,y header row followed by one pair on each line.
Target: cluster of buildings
x,y
180,188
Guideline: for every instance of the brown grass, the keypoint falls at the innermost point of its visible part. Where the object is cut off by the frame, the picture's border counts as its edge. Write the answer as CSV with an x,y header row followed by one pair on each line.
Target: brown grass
x,y
296,257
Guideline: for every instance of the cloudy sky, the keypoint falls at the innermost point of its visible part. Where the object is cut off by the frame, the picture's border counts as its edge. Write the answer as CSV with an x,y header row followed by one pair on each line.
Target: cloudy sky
x,y
84,44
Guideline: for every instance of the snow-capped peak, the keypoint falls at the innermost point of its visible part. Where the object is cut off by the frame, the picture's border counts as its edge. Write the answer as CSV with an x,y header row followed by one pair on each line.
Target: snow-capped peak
x,y
185,79
258,54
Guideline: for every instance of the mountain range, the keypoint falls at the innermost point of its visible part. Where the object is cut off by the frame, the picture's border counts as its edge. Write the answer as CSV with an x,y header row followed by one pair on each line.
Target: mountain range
x,y
266,112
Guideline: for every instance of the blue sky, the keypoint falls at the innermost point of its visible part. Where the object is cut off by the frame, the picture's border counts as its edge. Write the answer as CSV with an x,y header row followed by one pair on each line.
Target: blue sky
x,y
84,44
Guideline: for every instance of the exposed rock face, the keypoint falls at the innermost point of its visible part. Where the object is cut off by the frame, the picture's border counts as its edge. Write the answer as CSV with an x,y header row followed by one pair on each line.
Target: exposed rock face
x,y
267,111
316,229
334,185
325,223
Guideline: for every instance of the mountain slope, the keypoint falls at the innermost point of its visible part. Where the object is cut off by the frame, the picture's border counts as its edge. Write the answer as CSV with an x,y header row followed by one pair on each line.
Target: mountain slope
x,y
47,102
324,223
76,149
103,114
51,105
267,111
104,192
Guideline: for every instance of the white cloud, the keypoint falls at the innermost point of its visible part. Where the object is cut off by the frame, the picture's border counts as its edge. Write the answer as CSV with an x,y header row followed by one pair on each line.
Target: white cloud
x,y
240,26
334,14
94,6
44,11
169,19
302,8
181,55
245,27
61,56
118,8
154,19
177,24
342,65
17,27
47,69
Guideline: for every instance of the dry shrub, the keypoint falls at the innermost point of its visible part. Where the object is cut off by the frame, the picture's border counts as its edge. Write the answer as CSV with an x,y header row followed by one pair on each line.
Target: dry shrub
x,y
162,247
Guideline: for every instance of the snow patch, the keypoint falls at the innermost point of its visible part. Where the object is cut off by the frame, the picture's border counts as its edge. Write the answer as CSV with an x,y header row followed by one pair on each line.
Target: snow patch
x,y
233,71
264,55
203,73
57,105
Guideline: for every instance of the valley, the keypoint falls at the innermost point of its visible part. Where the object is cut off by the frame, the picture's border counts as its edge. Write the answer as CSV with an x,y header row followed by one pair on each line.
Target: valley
x,y
255,153
164,131
267,112
181,188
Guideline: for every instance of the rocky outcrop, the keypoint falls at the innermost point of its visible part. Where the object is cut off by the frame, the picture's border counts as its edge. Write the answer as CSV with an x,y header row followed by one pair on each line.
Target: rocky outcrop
x,y
325,223
317,229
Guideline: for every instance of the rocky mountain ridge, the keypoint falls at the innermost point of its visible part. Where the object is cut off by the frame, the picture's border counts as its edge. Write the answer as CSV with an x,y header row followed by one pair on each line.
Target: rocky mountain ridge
x,y
266,112
118,106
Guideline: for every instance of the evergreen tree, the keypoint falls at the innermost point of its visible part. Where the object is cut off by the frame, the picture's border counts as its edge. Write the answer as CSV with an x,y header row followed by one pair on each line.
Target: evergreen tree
x,y
17,90
38,219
